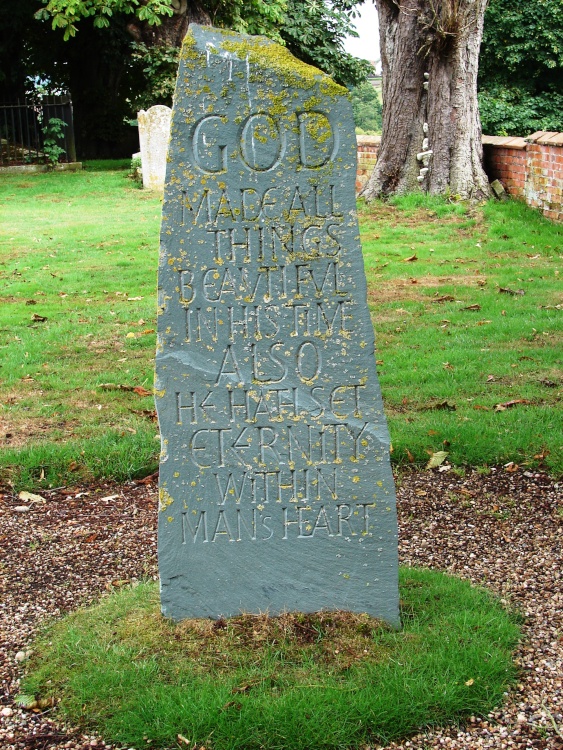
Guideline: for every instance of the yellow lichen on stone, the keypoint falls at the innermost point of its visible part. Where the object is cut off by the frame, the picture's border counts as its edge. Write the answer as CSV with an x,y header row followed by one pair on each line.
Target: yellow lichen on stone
x,y
261,51
165,500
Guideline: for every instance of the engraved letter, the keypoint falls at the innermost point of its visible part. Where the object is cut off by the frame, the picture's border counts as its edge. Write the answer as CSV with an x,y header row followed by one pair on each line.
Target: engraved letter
x,y
209,148
260,142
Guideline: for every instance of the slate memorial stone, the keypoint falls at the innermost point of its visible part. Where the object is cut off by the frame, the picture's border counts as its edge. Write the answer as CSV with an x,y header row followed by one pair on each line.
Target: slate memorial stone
x,y
275,487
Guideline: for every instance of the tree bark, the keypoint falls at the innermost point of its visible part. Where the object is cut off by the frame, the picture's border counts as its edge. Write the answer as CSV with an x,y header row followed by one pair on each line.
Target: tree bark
x,y
173,29
430,55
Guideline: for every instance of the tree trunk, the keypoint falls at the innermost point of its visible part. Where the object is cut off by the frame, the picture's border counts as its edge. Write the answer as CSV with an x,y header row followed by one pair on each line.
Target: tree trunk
x,y
173,29
431,137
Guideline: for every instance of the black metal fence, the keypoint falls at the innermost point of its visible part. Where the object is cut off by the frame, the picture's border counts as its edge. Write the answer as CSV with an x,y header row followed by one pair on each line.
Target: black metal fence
x,y
24,128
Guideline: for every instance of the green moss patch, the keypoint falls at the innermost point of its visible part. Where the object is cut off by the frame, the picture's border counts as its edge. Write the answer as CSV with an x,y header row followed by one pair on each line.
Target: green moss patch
x,y
270,56
326,680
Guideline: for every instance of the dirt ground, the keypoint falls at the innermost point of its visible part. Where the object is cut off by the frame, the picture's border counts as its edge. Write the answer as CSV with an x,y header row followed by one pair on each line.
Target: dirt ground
x,y
503,530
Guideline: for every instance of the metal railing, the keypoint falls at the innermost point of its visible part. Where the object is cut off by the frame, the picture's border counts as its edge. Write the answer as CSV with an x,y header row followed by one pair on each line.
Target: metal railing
x,y
23,126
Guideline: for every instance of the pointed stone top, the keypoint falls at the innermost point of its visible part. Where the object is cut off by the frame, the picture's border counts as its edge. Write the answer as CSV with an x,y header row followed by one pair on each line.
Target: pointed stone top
x,y
261,52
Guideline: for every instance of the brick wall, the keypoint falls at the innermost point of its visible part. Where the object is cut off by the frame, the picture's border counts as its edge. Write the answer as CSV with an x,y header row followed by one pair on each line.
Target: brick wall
x,y
506,160
368,146
530,168
544,180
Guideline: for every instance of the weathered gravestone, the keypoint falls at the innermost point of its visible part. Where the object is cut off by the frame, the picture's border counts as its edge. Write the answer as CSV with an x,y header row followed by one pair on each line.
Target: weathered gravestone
x,y
154,133
275,486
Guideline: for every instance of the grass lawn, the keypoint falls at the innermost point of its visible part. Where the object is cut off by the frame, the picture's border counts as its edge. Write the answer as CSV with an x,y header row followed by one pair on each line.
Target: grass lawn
x,y
466,304
322,681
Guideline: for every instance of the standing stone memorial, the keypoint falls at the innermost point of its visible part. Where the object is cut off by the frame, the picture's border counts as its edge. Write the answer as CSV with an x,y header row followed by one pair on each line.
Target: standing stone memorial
x,y
154,133
275,486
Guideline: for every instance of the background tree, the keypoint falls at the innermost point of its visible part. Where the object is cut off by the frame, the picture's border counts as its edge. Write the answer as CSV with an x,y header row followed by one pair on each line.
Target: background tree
x,y
521,67
313,31
367,108
134,45
429,55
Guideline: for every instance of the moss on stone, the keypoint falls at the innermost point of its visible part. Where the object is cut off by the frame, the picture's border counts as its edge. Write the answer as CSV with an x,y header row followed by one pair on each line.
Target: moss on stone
x,y
269,55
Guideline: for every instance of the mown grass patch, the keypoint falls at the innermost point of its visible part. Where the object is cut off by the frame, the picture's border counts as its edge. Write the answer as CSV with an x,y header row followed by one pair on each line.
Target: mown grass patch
x,y
77,327
466,304
467,307
327,680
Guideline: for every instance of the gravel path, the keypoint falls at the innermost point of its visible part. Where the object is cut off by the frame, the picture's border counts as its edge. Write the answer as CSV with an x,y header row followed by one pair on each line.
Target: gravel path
x,y
504,530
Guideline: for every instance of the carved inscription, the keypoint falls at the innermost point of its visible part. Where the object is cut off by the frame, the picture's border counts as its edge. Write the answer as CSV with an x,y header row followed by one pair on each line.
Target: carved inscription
x,y
274,447
275,293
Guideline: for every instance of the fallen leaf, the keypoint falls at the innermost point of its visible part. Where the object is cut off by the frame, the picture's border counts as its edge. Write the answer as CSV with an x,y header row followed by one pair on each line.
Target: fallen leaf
x,y
149,413
241,689
409,456
130,335
148,480
484,322
115,387
540,456
441,406
472,307
444,298
410,259
133,299
491,378
29,497
38,318
183,739
432,432
31,302
421,493
139,390
510,404
511,467
470,682
436,459
447,366
481,408
506,290
148,330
